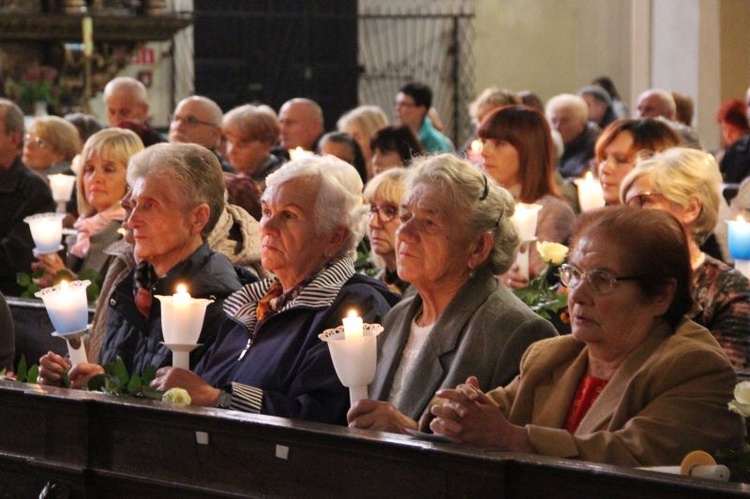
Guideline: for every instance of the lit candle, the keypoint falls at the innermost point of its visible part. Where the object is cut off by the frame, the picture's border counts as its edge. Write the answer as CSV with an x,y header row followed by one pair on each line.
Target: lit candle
x,y
299,153
738,237
181,323
62,189
474,154
590,192
525,217
66,305
353,326
46,230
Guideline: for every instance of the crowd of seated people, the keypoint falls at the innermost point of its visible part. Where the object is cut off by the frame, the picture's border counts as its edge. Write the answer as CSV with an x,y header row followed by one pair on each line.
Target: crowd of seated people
x,y
231,208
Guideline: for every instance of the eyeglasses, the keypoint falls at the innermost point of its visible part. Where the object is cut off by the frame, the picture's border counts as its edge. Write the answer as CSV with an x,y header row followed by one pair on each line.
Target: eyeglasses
x,y
642,199
190,120
386,213
600,281
400,104
34,142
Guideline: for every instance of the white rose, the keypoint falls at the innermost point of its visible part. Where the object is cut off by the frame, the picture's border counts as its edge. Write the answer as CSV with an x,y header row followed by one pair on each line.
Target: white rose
x,y
176,396
742,392
552,253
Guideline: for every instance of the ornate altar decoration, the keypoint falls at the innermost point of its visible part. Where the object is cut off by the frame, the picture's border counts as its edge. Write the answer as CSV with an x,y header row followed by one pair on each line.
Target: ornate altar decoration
x,y
85,43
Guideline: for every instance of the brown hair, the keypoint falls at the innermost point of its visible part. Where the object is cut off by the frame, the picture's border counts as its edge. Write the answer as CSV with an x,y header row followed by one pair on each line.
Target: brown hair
x,y
528,131
649,136
656,249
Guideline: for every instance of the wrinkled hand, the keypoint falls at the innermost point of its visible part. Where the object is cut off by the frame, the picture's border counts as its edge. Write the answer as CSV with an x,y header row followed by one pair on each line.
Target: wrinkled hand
x,y
468,416
201,393
82,373
513,278
51,264
52,369
379,416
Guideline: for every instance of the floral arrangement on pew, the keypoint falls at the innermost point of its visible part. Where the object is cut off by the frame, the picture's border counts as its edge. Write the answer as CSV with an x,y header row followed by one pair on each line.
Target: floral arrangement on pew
x,y
738,461
118,382
544,295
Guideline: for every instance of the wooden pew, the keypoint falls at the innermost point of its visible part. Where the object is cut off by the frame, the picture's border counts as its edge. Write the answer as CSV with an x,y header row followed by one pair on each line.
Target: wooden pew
x,y
94,445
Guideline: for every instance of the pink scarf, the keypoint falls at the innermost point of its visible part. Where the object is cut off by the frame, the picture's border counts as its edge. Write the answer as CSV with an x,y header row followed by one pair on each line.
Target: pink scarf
x,y
90,226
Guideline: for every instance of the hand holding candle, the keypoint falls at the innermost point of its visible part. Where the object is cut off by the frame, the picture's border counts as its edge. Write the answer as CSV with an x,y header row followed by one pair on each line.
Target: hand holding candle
x,y
46,230
181,323
353,348
67,307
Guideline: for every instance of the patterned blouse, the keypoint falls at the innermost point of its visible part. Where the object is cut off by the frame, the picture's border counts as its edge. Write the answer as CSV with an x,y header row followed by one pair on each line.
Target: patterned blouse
x,y
722,305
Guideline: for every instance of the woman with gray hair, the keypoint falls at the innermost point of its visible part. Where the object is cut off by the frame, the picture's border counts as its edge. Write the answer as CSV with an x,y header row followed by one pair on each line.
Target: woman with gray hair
x,y
268,359
455,236
686,183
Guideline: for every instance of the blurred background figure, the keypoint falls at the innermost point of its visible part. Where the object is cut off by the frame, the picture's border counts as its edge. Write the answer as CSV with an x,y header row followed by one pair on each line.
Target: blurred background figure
x,y
618,105
658,103
393,147
125,98
490,99
301,123
413,103
684,108
569,115
344,146
86,124
50,145
734,160
198,120
361,123
383,192
599,103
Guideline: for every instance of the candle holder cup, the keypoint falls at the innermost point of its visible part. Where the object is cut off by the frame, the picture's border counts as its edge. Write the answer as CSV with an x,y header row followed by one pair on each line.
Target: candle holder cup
x,y
62,189
354,359
738,237
67,307
181,324
46,230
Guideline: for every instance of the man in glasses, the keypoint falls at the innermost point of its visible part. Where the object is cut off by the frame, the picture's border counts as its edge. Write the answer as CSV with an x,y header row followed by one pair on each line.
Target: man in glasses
x,y
197,120
22,193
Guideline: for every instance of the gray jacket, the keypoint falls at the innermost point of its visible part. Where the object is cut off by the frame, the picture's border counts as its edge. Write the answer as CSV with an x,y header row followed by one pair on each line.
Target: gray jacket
x,y
483,332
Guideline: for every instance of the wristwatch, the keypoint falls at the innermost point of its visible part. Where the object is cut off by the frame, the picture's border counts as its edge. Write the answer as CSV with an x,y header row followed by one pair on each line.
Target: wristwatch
x,y
225,400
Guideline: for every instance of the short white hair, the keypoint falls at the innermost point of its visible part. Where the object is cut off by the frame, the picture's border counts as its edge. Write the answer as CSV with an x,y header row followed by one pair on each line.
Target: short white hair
x,y
571,102
339,201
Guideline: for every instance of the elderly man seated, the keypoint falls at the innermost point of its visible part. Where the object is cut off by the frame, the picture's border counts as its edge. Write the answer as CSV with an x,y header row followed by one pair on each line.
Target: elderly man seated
x,y
197,120
268,358
569,114
177,196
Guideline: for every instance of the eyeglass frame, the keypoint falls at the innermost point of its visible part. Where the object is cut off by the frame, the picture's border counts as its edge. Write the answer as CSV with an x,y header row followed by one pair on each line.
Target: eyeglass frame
x,y
639,197
610,279
36,142
190,120
378,210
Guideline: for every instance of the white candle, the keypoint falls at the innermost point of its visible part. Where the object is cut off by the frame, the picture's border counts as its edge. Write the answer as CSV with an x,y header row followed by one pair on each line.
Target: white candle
x,y
46,230
299,153
353,326
474,154
66,305
62,186
590,193
525,218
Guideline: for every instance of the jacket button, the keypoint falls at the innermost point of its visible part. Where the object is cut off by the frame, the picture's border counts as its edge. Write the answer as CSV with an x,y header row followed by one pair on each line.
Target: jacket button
x,y
112,302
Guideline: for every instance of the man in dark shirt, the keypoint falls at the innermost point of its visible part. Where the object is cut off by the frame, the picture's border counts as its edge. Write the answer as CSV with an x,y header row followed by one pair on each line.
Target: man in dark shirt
x,y
22,193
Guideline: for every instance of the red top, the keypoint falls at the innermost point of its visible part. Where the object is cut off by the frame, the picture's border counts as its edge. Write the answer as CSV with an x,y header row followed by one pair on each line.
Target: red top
x,y
588,391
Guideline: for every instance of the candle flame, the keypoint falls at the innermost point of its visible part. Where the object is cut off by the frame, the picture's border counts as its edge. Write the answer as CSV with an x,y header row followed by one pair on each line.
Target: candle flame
x,y
352,313
740,218
589,177
476,146
63,285
181,288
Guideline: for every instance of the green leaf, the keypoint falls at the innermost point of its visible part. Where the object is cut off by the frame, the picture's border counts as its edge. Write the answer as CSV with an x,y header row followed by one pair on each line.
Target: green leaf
x,y
32,374
96,384
121,372
148,375
134,385
21,371
23,279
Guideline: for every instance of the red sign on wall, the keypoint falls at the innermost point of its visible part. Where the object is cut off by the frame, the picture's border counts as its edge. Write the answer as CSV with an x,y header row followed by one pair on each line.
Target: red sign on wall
x,y
144,56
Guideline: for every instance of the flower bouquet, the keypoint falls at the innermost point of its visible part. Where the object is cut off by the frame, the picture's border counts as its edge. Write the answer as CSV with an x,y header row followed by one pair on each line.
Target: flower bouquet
x,y
38,84
544,295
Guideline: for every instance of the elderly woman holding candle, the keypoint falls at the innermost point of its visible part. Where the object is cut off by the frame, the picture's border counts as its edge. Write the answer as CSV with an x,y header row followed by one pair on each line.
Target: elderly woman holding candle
x,y
176,198
455,236
518,153
100,186
635,384
269,359
383,193
686,183
50,145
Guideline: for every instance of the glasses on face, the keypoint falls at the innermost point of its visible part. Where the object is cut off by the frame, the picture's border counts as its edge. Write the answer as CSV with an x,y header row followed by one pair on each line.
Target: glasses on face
x,y
400,104
600,281
190,120
34,142
385,213
643,199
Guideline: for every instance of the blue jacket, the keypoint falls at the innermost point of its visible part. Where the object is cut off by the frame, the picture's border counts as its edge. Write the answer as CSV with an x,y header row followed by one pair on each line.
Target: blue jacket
x,y
138,340
286,370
